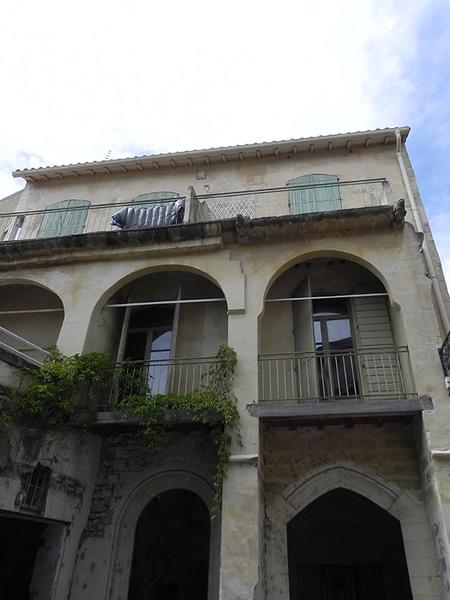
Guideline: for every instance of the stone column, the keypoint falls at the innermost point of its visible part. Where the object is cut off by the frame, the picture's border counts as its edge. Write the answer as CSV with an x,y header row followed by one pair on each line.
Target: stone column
x,y
77,316
241,506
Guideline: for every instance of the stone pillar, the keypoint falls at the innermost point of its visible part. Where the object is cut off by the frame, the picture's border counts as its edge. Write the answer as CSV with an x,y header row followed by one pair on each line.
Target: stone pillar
x,y
241,506
77,316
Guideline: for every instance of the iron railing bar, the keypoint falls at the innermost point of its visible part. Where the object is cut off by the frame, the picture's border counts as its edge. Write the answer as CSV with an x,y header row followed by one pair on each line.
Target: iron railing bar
x,y
287,188
25,341
91,207
337,374
231,194
327,297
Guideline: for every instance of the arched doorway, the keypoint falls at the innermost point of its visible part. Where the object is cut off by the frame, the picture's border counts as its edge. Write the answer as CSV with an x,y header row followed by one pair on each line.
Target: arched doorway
x,y
171,549
342,546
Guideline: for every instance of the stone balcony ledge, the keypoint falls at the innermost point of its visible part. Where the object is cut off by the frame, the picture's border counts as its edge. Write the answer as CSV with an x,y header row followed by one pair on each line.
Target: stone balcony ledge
x,y
195,236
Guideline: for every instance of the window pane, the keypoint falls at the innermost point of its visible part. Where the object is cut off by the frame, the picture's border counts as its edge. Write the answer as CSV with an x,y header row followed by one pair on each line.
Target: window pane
x,y
318,335
162,340
339,334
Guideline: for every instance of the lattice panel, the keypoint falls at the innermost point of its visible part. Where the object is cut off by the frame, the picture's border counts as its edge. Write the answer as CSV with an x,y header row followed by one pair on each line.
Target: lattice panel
x,y
226,208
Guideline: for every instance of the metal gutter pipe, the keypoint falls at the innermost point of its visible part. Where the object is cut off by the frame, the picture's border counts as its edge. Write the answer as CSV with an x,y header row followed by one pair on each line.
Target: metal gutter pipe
x,y
419,226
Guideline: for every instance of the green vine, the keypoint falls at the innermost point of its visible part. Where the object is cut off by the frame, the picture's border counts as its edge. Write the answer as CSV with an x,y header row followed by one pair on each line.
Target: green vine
x,y
212,404
50,396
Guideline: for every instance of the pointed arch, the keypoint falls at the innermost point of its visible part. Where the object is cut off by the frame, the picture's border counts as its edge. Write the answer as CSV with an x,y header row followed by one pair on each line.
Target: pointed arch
x,y
406,507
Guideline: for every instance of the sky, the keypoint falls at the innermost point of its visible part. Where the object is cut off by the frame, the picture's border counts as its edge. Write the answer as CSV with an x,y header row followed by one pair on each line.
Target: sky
x,y
88,80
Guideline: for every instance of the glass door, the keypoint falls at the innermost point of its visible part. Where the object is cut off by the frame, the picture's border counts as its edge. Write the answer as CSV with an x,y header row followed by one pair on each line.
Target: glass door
x,y
149,346
336,361
159,348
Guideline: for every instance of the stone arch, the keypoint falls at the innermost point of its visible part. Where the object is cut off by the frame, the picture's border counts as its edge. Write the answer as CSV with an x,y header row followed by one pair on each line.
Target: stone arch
x,y
407,508
332,253
31,281
33,311
134,276
131,509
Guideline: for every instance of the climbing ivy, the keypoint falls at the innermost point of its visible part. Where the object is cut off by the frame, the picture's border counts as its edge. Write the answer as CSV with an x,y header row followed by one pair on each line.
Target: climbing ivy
x,y
46,397
50,396
212,404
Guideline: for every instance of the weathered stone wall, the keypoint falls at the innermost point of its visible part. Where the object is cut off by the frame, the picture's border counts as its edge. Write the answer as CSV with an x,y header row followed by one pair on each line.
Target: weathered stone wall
x,y
131,475
388,454
73,460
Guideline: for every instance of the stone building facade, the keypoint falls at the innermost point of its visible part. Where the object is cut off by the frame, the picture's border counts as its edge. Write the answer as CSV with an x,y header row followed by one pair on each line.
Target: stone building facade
x,y
313,260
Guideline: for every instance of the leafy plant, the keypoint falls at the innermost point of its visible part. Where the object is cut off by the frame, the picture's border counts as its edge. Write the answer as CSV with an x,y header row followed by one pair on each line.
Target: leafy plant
x,y
212,404
47,396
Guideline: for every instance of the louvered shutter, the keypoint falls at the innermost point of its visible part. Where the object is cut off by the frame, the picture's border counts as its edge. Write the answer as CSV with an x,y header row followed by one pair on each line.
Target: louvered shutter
x,y
57,222
379,364
319,194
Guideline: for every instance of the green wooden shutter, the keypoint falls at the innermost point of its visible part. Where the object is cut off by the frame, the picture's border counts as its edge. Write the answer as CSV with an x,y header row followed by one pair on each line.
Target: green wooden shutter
x,y
380,370
154,197
322,197
57,222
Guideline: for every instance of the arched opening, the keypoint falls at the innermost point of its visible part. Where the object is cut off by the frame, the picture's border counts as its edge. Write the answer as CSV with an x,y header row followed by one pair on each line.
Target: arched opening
x,y
342,546
166,327
30,319
171,549
327,332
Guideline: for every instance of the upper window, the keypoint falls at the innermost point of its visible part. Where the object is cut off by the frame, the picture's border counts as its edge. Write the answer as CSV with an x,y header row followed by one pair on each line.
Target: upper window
x,y
64,218
314,193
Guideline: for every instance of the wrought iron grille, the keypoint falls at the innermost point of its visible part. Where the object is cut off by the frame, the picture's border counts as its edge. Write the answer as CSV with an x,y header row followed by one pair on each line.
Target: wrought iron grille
x,y
228,208
34,490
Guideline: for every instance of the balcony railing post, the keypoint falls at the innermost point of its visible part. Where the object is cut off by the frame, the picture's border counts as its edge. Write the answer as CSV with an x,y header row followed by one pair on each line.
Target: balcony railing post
x,y
368,373
178,376
252,203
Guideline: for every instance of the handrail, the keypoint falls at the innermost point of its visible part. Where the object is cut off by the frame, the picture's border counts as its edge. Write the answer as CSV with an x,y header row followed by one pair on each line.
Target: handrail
x,y
365,350
354,373
253,203
20,354
179,376
90,207
25,341
231,193
285,188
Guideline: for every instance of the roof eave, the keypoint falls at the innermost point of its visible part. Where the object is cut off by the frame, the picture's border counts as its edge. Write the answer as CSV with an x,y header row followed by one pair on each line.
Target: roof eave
x,y
221,154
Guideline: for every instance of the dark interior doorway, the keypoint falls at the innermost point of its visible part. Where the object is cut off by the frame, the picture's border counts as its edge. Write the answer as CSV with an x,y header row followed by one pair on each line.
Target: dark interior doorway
x,y
20,540
345,547
171,549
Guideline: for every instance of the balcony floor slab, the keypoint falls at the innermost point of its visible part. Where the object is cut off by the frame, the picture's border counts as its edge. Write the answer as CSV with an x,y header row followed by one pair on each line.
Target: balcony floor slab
x,y
340,409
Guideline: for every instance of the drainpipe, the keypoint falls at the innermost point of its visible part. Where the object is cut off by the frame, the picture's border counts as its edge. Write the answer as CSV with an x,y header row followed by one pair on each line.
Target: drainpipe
x,y
419,228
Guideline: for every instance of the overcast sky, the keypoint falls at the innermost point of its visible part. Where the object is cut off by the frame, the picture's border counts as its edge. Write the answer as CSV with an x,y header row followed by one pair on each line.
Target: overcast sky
x,y
83,79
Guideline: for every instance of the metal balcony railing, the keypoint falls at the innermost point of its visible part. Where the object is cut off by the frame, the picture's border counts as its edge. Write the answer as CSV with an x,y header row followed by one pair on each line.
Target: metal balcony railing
x,y
333,375
66,221
11,342
179,376
266,202
306,198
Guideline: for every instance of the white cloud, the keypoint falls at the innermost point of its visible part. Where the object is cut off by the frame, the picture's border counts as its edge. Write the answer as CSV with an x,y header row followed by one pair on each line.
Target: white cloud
x,y
96,77
83,79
